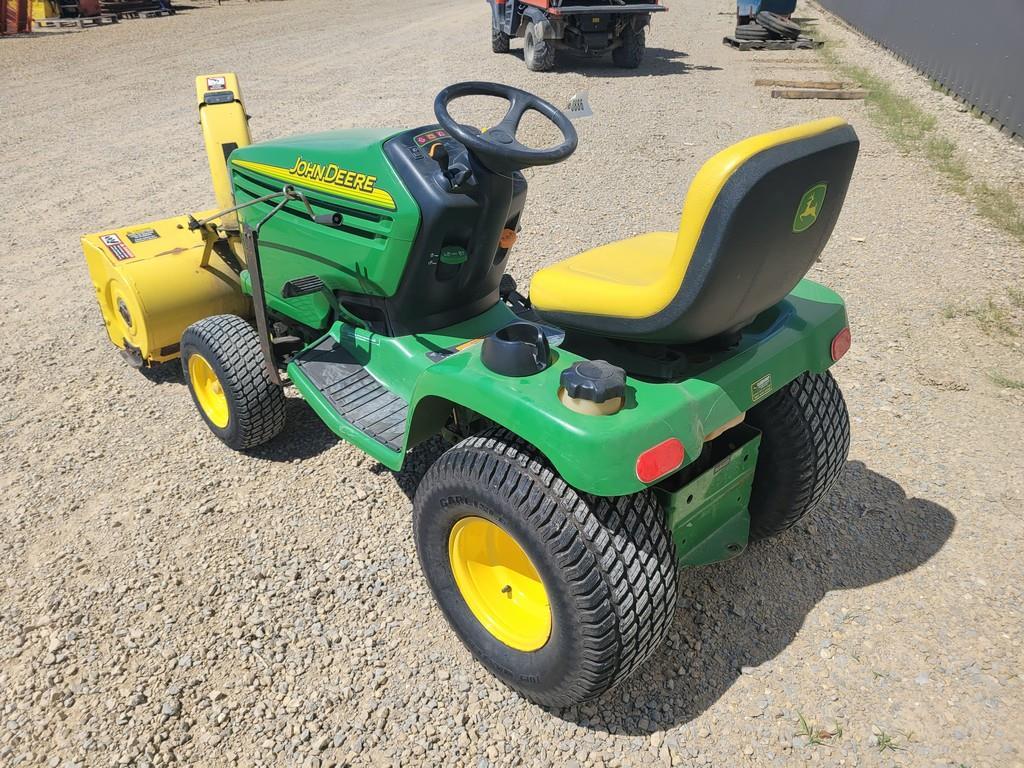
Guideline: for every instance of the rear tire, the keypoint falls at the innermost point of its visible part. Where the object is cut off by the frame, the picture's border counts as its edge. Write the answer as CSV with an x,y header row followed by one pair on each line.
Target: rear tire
x,y
606,568
538,53
752,31
240,404
779,25
630,54
805,439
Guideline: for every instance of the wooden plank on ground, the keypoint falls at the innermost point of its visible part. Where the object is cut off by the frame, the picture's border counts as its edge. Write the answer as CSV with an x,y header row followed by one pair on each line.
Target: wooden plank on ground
x,y
830,85
818,93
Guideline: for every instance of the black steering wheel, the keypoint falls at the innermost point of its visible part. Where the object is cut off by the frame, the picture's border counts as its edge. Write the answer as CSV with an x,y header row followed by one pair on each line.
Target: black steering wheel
x,y
497,147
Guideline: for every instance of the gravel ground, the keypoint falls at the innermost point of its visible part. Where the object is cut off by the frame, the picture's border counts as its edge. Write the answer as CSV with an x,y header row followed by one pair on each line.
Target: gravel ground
x,y
165,600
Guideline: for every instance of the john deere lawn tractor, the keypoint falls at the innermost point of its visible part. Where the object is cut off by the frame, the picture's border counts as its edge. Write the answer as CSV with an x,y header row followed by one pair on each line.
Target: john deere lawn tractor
x,y
656,402
592,27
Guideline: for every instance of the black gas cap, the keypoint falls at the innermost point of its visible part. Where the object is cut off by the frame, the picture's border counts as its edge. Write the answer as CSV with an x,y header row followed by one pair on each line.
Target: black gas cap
x,y
594,380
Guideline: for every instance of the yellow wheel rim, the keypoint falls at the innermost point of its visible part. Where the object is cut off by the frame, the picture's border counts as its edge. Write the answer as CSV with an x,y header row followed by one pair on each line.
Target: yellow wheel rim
x,y
209,391
499,583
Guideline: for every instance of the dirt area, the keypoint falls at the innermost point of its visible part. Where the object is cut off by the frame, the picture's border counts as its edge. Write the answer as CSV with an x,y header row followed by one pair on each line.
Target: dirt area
x,y
166,600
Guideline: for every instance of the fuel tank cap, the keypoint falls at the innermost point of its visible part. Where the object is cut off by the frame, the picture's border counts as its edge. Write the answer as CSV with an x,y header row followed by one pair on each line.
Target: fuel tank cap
x,y
594,380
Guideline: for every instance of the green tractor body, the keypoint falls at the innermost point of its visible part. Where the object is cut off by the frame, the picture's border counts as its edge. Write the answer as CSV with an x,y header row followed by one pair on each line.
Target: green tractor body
x,y
428,372
678,381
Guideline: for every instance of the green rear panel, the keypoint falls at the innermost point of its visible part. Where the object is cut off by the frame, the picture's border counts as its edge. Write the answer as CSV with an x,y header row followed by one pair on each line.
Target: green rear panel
x,y
344,172
709,516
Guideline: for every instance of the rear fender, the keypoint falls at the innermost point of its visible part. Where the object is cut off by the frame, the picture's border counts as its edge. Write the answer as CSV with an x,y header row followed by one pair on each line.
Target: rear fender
x,y
547,29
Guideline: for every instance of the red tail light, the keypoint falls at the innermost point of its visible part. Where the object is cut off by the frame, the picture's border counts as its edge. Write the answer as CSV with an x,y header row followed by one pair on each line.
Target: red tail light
x,y
656,462
841,344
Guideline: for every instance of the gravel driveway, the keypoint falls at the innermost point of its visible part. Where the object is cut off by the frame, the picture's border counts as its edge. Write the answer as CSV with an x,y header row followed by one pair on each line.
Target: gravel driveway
x,y
166,600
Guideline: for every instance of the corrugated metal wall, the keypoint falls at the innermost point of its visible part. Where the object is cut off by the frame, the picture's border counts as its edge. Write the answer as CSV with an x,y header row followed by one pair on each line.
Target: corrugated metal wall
x,y
975,49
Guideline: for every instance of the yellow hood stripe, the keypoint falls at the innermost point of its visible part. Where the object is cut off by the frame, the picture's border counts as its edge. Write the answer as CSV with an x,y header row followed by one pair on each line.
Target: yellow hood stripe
x,y
378,197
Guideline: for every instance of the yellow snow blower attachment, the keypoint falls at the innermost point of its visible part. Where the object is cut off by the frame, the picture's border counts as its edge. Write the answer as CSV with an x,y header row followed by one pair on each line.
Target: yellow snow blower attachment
x,y
154,280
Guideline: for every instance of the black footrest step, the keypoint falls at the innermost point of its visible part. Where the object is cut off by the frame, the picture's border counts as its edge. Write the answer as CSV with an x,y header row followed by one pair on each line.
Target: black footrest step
x,y
360,399
302,286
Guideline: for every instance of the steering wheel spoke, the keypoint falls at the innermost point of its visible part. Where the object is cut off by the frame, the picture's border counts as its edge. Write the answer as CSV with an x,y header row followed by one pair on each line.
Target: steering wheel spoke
x,y
498,148
517,108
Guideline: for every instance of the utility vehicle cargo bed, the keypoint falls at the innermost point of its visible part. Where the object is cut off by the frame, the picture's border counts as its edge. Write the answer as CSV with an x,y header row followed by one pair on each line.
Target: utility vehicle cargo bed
x,y
569,10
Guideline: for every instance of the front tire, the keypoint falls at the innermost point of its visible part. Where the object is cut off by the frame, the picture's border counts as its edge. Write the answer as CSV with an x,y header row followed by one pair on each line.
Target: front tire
x,y
226,376
538,53
805,439
500,42
630,53
589,583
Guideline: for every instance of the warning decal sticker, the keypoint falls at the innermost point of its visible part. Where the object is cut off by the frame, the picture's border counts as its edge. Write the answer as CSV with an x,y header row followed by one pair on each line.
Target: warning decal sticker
x,y
215,84
117,247
142,235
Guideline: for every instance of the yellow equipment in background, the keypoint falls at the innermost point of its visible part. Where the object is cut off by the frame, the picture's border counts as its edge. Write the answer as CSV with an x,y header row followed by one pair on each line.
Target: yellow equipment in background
x,y
154,280
45,9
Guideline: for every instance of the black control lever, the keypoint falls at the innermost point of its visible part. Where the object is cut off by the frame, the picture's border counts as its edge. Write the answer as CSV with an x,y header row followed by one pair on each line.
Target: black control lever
x,y
457,173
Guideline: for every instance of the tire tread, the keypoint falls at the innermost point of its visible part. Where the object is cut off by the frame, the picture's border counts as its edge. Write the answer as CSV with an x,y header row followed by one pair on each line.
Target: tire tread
x,y
805,441
258,403
617,553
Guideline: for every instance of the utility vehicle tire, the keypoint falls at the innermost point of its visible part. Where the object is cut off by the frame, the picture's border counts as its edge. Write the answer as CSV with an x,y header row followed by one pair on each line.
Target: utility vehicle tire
x,y
228,381
752,31
631,52
583,588
499,40
538,53
805,439
781,26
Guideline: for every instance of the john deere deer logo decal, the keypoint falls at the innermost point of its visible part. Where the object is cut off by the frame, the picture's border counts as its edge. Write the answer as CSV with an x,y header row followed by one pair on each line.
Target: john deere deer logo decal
x,y
809,208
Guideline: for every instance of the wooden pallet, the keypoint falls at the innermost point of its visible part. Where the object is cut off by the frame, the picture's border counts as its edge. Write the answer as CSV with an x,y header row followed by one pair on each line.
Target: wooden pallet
x,y
80,22
801,43
147,14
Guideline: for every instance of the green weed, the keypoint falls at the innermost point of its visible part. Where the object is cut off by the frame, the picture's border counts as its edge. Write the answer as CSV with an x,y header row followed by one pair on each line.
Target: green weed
x,y
885,741
1005,382
993,319
817,736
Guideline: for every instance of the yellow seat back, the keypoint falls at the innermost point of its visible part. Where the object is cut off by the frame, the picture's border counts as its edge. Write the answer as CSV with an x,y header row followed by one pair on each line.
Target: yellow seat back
x,y
755,218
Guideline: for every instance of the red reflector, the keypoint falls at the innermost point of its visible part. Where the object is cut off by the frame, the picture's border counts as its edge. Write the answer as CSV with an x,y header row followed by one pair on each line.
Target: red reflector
x,y
841,344
658,461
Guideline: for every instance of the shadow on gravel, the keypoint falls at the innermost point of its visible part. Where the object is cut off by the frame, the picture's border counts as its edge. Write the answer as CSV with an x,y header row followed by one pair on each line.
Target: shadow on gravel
x,y
744,612
304,435
164,373
417,461
657,62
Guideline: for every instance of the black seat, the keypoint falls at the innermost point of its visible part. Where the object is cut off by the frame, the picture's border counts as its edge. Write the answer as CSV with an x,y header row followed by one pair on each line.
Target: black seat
x,y
756,217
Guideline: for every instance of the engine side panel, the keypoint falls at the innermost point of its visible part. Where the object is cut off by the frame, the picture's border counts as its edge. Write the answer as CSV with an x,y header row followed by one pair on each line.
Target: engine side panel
x,y
342,172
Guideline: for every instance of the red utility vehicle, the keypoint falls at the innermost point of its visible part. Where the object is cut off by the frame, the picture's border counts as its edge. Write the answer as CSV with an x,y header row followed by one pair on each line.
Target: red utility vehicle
x,y
594,27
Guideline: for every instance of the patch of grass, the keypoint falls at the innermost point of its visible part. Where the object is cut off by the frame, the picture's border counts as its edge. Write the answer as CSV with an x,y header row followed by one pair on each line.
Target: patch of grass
x,y
818,736
993,319
1005,382
999,205
914,130
950,310
997,317
886,741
